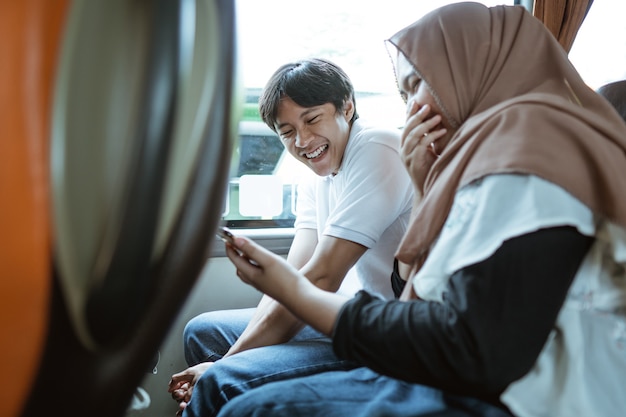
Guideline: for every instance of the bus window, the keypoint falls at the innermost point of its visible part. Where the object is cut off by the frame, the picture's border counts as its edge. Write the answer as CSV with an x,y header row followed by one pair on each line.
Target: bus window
x,y
599,50
345,32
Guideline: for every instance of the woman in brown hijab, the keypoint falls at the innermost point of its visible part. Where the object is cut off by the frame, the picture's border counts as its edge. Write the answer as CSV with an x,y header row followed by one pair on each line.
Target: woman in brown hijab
x,y
516,252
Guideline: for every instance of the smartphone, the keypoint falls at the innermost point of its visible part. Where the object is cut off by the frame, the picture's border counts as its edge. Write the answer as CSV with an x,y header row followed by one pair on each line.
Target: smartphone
x,y
225,234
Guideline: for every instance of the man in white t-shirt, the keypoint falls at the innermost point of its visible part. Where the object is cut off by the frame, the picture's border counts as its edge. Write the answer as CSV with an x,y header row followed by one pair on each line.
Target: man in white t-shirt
x,y
349,222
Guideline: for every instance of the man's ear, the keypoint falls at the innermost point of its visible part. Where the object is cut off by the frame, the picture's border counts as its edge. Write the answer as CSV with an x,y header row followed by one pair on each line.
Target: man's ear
x,y
348,109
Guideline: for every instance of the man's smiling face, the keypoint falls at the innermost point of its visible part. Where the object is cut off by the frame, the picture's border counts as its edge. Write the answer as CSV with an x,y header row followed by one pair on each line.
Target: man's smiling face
x,y
317,136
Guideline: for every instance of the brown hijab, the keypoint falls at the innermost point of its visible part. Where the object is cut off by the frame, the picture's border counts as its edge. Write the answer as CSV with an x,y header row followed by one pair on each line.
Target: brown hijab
x,y
519,106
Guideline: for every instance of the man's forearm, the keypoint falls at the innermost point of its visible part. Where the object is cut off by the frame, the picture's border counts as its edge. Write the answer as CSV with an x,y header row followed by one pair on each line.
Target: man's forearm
x,y
271,324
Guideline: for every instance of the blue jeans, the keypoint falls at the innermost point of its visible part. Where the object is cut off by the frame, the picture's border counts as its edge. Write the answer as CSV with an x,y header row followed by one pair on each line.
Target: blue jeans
x,y
208,337
359,392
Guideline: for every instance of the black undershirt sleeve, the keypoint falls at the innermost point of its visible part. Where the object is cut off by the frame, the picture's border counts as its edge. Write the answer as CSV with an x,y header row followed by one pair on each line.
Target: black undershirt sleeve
x,y
397,283
495,317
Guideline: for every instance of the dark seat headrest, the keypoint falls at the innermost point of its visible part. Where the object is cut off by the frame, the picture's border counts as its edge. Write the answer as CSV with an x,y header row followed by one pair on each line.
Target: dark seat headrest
x,y
615,93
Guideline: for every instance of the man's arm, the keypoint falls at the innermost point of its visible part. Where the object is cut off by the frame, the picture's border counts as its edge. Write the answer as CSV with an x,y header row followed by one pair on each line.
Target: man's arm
x,y
324,263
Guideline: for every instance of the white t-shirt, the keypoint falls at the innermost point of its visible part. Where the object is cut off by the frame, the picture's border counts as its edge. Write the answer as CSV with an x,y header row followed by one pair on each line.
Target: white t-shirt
x,y
368,202
581,371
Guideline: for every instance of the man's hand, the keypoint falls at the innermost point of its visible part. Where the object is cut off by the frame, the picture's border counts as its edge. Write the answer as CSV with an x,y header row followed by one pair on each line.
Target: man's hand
x,y
181,385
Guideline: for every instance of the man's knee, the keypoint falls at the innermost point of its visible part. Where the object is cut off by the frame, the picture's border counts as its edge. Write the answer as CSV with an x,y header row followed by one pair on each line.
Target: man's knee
x,y
203,340
195,327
